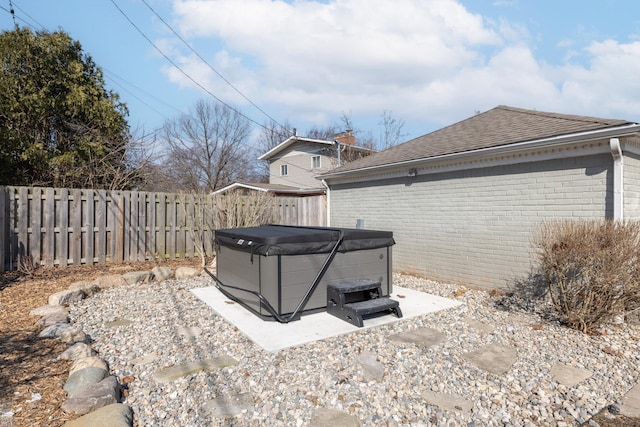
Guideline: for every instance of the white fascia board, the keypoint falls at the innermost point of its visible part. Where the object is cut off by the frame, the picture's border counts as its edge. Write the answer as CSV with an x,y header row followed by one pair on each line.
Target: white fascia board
x,y
290,141
239,185
465,157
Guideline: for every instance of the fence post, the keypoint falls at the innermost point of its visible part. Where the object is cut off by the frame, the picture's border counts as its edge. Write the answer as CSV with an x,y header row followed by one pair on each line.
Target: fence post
x,y
4,225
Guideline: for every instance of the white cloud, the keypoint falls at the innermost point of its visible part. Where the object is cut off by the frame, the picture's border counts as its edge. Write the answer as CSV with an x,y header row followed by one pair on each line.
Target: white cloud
x,y
426,61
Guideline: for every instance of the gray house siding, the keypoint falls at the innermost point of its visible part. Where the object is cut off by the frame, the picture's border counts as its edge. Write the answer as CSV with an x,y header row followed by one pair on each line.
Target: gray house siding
x,y
631,186
475,226
300,172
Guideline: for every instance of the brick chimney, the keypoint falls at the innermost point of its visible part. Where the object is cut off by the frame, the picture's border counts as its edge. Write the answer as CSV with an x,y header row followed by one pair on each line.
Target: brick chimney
x,y
347,137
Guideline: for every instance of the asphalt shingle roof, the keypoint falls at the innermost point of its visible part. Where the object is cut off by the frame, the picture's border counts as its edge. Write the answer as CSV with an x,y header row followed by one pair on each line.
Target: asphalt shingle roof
x,y
499,126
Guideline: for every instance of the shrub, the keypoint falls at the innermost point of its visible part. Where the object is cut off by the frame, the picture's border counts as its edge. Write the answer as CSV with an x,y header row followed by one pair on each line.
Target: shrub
x,y
592,269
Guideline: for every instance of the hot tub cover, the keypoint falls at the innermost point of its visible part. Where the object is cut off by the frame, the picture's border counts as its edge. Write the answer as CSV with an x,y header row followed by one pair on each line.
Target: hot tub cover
x,y
290,240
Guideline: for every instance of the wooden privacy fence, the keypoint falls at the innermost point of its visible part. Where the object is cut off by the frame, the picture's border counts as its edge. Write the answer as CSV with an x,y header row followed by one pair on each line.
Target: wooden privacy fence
x,y
60,227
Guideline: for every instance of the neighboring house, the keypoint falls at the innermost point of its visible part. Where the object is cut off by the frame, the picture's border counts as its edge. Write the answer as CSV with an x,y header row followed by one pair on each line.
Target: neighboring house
x,y
295,162
463,201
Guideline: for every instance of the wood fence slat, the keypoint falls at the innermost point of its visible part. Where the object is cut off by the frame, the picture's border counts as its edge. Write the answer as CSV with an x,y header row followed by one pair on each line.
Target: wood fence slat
x,y
162,226
101,224
35,233
76,226
49,217
23,224
63,234
171,218
90,227
151,224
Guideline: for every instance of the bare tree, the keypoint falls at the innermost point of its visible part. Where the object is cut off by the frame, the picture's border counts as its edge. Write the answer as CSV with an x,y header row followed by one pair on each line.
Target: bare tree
x,y
391,133
207,148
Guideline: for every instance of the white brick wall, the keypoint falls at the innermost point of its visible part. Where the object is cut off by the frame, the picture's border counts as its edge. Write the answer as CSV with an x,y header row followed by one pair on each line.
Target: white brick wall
x,y
475,226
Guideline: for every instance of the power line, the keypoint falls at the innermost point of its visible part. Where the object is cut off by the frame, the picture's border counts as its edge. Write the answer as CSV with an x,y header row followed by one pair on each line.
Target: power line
x,y
12,13
182,71
209,65
29,16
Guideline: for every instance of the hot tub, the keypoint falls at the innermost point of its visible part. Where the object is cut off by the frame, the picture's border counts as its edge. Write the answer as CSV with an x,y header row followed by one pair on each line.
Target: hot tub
x,y
280,272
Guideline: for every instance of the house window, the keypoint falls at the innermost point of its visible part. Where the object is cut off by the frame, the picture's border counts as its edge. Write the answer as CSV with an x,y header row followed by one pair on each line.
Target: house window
x,y
315,162
283,170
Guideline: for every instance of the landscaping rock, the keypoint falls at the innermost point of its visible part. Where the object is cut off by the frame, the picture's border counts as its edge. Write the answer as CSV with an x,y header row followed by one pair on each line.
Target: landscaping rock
x,y
49,309
110,281
189,331
81,380
77,351
373,370
424,337
104,393
87,362
569,375
230,405
186,272
134,277
66,297
178,371
89,288
116,415
52,319
73,335
331,418
494,358
162,273
118,322
54,331
448,401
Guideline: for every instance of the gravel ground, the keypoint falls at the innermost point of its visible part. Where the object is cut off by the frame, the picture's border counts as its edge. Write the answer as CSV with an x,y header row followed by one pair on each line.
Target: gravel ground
x,y
289,385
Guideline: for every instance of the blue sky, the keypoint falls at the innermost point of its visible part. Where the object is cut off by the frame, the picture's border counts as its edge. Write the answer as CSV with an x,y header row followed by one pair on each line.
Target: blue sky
x,y
430,63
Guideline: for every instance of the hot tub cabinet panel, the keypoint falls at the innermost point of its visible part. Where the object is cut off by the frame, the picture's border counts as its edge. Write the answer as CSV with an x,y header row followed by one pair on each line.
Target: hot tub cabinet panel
x,y
284,278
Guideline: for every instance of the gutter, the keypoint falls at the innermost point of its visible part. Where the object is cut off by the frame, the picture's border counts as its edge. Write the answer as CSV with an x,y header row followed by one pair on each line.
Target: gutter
x,y
621,131
618,178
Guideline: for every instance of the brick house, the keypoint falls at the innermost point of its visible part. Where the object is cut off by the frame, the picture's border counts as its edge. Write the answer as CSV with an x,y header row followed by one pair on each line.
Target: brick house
x,y
464,200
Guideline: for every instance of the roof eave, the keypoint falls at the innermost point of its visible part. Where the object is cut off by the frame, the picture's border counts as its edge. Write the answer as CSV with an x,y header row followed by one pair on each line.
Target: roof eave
x,y
618,131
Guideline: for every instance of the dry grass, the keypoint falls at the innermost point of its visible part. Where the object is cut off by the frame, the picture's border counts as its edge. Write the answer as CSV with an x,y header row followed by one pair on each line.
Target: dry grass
x,y
26,364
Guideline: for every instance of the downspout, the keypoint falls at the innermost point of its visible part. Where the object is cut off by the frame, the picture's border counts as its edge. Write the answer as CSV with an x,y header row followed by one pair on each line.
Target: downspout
x,y
618,190
328,202
339,153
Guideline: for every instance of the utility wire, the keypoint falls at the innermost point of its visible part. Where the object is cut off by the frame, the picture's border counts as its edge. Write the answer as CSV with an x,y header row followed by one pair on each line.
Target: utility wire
x,y
26,14
12,13
209,65
184,72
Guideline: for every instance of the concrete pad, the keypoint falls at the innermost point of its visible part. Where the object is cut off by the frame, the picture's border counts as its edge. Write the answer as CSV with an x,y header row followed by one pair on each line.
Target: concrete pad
x,y
274,336
569,375
424,337
494,358
231,405
448,401
178,371
631,403
331,418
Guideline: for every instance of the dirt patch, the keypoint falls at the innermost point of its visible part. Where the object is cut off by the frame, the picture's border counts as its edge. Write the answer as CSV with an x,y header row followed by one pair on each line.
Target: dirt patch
x,y
30,381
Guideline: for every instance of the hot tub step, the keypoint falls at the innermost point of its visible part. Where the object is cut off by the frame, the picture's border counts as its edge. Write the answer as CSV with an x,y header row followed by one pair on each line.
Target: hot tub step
x,y
350,301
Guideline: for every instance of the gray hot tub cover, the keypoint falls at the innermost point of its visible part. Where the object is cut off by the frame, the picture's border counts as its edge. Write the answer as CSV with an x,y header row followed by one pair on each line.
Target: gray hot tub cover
x,y
289,240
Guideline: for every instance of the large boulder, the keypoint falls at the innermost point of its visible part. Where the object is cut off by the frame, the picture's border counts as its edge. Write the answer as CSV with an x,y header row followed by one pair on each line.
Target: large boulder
x,y
186,272
83,379
116,415
77,351
66,297
134,277
106,392
89,288
162,273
